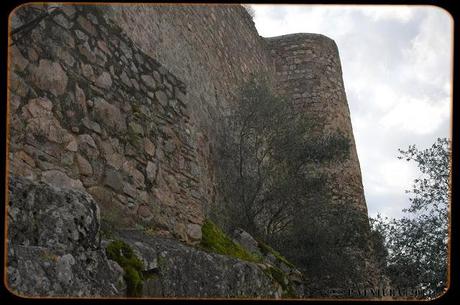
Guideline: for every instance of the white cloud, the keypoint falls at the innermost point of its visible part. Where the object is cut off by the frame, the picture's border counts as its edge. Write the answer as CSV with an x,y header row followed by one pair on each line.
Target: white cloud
x,y
401,13
418,116
396,63
429,51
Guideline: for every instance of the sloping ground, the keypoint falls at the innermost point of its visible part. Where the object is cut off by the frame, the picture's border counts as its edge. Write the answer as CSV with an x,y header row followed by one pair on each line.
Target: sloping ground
x,y
55,249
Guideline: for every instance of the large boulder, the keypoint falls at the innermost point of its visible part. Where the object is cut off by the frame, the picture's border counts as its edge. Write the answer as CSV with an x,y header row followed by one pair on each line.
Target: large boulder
x,y
54,244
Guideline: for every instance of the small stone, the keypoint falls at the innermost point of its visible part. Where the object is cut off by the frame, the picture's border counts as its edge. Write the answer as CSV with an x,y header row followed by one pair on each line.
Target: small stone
x,y
170,146
81,99
144,212
103,46
110,115
69,10
62,21
125,79
39,107
157,77
17,85
180,231
67,58
129,190
67,159
113,179
19,62
81,35
161,97
148,80
194,232
50,76
15,101
72,146
92,18
143,196
60,179
23,156
86,51
125,50
100,57
91,125
86,139
135,83
32,54
87,71
151,169
104,80
149,147
86,25
137,178
84,166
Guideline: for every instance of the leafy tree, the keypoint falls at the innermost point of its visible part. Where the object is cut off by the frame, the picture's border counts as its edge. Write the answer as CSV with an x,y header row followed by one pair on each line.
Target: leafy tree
x,y
267,162
417,243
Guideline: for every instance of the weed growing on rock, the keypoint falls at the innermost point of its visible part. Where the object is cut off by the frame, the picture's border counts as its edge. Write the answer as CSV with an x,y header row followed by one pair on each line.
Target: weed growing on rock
x,y
122,253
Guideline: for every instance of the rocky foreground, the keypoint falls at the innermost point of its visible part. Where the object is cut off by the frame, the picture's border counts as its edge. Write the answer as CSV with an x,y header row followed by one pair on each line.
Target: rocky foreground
x,y
55,248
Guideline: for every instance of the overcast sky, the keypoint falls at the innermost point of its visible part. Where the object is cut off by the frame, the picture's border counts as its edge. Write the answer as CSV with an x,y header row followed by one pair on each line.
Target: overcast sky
x,y
396,63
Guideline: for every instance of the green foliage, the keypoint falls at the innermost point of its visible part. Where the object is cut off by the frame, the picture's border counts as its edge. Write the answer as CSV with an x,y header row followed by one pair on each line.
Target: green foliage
x,y
326,243
215,240
417,254
268,157
122,253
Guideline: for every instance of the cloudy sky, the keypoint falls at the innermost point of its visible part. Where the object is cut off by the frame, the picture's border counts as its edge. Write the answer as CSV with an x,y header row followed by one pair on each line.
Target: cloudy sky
x,y
396,63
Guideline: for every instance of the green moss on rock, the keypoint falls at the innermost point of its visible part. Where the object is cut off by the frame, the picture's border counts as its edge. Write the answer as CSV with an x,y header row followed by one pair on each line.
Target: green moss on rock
x,y
122,253
215,240
266,249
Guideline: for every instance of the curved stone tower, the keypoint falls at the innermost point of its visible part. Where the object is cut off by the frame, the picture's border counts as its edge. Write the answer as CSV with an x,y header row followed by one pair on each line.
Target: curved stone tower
x,y
309,74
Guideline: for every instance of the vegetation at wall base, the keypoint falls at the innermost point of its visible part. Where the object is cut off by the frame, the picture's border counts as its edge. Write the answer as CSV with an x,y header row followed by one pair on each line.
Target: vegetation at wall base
x,y
122,253
215,240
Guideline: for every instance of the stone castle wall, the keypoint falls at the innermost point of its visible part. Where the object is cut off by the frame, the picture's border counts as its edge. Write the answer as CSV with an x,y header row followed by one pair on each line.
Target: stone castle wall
x,y
214,49
90,110
126,101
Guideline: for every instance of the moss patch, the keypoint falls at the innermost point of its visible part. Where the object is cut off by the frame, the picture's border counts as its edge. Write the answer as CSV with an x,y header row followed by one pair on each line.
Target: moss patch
x,y
122,253
266,249
215,240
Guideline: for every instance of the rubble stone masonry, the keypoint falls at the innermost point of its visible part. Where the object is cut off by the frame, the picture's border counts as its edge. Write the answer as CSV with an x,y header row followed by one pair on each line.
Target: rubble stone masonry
x,y
126,102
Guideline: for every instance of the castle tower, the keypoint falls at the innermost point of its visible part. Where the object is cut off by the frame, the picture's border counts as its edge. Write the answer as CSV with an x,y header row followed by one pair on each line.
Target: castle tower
x,y
308,73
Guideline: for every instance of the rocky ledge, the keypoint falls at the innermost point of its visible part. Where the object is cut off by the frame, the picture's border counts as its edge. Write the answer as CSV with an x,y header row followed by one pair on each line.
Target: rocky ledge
x,y
55,249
